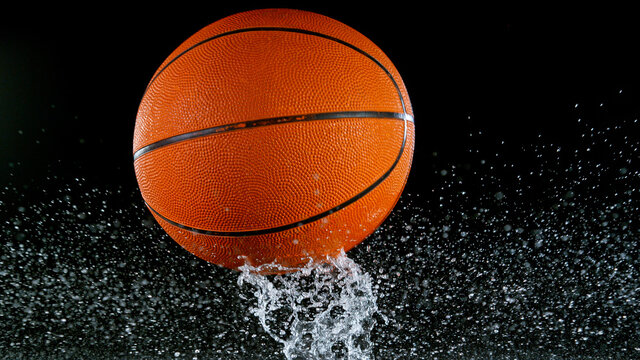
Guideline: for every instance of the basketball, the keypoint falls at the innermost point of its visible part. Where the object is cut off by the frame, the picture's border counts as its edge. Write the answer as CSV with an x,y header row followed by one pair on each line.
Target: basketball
x,y
273,136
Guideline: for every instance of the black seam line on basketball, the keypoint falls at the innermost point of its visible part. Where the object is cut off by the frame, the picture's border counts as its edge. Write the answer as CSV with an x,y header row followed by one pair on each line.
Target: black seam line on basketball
x,y
266,122
294,30
298,223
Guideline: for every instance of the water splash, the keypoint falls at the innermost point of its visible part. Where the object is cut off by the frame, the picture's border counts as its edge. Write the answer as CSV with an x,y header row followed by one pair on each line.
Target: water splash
x,y
523,250
318,312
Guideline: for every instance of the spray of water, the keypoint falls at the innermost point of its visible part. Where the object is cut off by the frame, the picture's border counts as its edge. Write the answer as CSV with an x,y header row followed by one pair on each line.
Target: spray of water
x,y
317,312
522,251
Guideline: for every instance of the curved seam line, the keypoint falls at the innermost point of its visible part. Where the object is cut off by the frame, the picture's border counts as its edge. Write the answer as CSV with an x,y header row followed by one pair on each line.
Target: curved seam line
x,y
294,30
298,223
269,121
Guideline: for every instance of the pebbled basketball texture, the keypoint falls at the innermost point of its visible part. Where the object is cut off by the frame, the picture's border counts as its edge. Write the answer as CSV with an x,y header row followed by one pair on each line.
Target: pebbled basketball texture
x,y
273,136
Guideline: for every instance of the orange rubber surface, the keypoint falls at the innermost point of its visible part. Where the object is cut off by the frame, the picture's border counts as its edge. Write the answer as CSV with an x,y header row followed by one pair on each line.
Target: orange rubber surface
x,y
267,64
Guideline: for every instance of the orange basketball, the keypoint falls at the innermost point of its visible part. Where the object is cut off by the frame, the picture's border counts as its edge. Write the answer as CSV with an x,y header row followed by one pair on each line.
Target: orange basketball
x,y
273,136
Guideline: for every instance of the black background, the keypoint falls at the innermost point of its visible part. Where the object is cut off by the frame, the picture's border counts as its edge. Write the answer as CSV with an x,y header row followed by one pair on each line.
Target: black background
x,y
71,77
